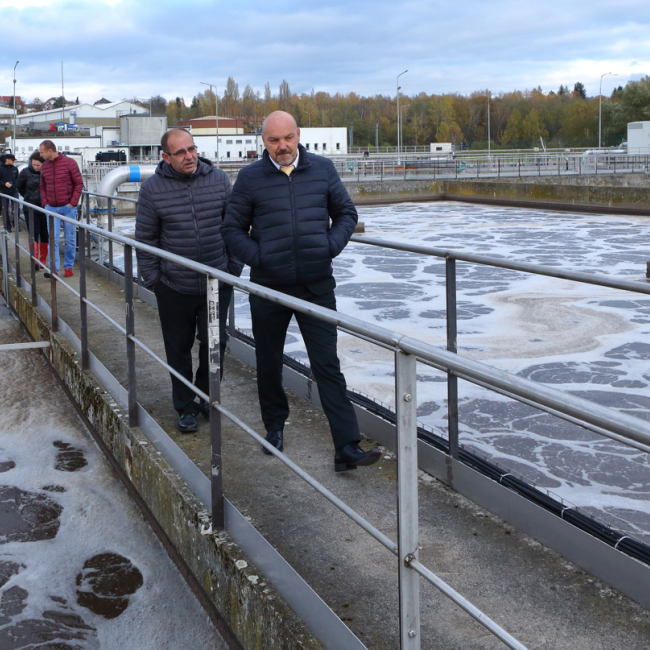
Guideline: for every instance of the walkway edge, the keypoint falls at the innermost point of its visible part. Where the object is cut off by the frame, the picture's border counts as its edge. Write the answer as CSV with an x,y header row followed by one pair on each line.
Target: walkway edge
x,y
250,606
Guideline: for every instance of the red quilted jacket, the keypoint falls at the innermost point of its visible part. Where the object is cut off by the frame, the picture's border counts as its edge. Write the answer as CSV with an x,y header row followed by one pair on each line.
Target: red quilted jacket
x,y
61,182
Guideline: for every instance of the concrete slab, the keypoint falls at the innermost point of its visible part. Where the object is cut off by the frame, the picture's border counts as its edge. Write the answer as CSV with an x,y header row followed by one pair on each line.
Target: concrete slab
x,y
538,596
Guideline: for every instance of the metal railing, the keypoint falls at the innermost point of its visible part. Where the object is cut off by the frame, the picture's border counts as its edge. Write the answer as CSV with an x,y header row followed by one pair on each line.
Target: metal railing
x,y
407,352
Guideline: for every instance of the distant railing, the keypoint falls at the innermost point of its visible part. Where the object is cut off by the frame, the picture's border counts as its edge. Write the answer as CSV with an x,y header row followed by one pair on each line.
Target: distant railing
x,y
407,353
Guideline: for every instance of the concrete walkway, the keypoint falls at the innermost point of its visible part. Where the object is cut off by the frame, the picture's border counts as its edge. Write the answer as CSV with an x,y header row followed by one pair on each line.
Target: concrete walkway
x,y
539,597
79,567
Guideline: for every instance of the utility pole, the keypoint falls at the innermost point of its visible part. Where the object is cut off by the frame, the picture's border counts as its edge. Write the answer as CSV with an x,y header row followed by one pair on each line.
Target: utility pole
x,y
600,103
13,148
488,133
398,117
216,115
308,113
351,138
62,96
376,137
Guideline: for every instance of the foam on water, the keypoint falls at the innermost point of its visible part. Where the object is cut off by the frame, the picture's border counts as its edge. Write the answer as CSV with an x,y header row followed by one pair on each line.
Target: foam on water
x,y
591,341
45,583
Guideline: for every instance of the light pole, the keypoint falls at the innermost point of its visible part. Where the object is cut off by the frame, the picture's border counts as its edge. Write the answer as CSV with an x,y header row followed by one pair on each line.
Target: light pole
x,y
600,103
216,115
401,124
488,133
13,150
398,118
308,113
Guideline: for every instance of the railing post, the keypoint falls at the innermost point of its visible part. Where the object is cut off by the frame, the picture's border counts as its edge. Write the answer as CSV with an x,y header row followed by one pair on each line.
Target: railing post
x,y
14,205
407,499
5,264
452,346
53,243
83,310
110,241
216,473
231,315
32,254
130,332
89,237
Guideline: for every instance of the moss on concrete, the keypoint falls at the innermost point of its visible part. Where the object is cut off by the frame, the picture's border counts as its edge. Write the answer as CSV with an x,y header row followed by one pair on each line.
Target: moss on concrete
x,y
256,613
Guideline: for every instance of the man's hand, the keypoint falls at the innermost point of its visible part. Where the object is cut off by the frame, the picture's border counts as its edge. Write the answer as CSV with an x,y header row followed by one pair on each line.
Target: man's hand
x,y
7,184
70,205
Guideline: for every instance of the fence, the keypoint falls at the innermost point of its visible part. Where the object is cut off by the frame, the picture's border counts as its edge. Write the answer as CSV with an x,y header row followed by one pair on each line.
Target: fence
x,y
407,353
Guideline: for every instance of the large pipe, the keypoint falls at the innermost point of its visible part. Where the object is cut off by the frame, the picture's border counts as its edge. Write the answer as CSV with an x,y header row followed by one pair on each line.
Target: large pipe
x,y
126,174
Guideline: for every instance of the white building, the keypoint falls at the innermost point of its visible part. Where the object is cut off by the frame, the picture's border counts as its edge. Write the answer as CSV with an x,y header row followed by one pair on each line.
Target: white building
x,y
322,141
88,114
638,138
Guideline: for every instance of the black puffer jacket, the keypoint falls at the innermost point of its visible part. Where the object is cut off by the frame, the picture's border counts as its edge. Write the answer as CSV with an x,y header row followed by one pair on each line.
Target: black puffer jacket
x,y
29,185
290,239
8,174
183,215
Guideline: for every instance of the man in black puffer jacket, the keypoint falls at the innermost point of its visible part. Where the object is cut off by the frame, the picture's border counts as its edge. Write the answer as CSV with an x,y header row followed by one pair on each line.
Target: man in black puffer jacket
x,y
278,222
180,209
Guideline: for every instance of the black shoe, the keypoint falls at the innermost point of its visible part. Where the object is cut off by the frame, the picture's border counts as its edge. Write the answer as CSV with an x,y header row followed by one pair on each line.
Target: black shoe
x,y
205,410
352,455
276,439
187,423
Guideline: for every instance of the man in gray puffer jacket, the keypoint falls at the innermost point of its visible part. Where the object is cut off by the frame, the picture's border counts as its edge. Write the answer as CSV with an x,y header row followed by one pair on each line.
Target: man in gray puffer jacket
x,y
180,209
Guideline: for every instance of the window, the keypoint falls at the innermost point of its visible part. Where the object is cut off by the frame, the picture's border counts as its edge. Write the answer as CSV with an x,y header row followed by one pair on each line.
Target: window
x,y
324,146
228,141
30,149
227,154
67,148
220,140
203,153
316,146
240,154
438,148
238,141
307,146
249,142
338,146
215,154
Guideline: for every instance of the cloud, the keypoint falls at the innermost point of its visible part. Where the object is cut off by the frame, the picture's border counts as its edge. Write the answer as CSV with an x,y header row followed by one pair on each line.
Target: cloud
x,y
124,48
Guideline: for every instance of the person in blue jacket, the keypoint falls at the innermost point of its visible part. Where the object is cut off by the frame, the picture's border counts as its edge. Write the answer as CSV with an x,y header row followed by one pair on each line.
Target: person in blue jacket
x,y
278,222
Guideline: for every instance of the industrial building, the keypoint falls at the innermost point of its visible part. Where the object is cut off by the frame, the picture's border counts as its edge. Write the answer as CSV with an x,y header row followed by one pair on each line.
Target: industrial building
x,y
638,138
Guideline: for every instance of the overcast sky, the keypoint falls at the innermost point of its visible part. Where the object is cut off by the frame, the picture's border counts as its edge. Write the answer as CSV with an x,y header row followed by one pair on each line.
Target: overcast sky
x,y
125,48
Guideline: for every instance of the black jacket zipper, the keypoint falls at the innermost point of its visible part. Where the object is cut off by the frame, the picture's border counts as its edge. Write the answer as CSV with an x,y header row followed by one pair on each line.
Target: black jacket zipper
x,y
196,228
294,221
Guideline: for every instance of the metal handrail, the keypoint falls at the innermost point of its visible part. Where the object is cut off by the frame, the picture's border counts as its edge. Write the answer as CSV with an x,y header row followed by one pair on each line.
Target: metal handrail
x,y
628,428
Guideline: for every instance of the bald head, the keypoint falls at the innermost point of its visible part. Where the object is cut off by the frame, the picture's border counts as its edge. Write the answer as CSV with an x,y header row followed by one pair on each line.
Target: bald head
x,y
281,136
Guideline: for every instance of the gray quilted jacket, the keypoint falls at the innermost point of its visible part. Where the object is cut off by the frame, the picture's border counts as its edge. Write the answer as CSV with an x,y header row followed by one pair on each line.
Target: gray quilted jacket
x,y
182,215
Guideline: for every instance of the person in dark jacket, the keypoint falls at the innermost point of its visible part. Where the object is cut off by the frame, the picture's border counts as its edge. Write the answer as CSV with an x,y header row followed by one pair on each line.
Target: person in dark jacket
x,y
29,187
180,209
8,180
278,222
61,188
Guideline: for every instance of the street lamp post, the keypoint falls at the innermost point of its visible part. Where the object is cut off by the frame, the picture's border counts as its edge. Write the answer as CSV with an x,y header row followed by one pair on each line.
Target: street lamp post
x,y
398,117
14,145
401,124
488,133
216,115
600,103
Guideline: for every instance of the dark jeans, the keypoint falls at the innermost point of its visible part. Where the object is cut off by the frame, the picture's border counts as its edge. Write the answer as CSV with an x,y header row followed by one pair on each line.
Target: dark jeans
x,y
184,317
8,208
40,225
270,323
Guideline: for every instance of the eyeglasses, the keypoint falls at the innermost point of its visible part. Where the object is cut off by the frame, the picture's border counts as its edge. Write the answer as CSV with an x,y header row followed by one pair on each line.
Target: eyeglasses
x,y
182,152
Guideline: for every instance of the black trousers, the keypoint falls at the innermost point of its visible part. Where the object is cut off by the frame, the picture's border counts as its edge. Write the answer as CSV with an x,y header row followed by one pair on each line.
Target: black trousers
x,y
40,226
184,317
270,323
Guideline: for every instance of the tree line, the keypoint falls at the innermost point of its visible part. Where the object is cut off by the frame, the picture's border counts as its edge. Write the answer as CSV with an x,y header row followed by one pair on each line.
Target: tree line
x,y
563,118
